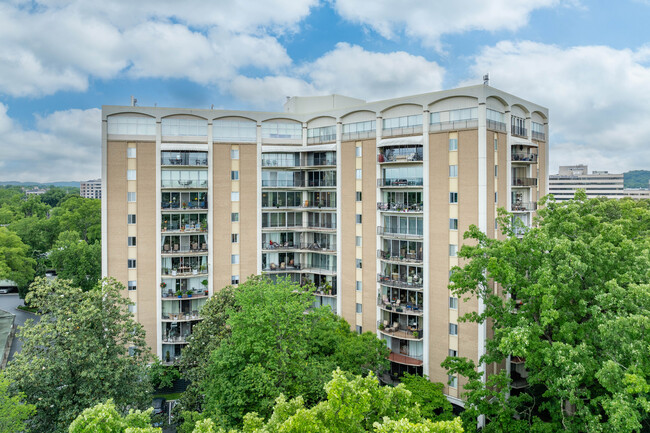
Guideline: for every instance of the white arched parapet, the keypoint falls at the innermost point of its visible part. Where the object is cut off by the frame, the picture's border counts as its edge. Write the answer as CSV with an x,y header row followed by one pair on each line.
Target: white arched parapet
x,y
402,119
456,112
358,125
281,131
131,124
234,130
496,109
321,130
538,123
519,121
184,125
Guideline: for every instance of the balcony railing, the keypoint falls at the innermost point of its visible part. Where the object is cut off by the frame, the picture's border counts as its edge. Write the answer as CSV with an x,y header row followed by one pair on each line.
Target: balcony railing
x,y
524,206
184,184
185,228
497,126
518,131
394,232
523,157
176,339
192,205
184,271
456,124
359,135
194,247
282,267
406,257
395,280
398,207
407,181
325,226
524,181
184,159
396,331
299,183
541,136
328,138
408,309
170,295
181,317
404,130
413,157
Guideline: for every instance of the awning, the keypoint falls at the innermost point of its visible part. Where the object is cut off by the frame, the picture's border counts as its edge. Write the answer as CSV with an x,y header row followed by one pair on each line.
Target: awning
x,y
400,141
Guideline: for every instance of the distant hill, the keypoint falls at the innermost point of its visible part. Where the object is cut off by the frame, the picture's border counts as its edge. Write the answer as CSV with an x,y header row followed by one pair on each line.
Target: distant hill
x,y
636,178
12,182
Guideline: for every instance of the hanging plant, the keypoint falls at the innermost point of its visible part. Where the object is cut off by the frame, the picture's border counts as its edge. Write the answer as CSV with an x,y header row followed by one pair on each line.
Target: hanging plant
x,y
163,285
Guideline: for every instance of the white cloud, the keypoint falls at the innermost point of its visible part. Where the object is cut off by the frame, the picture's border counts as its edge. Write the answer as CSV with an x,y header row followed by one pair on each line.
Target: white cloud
x,y
429,20
64,146
597,98
349,70
55,45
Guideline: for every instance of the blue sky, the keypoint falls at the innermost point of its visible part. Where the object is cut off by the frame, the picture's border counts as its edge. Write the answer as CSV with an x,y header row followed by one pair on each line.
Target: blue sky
x,y
61,60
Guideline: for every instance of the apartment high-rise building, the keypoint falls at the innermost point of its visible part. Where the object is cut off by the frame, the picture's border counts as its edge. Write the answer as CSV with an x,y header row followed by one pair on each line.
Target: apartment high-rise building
x,y
571,178
91,188
367,200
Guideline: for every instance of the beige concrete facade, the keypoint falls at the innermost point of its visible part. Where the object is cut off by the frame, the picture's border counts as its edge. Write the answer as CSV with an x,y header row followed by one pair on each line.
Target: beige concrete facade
x,y
224,194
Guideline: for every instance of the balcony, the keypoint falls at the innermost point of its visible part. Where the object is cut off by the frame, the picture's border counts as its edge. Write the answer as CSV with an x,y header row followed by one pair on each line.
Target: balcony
x,y
181,317
523,157
185,271
453,125
299,183
174,339
184,228
170,295
388,158
184,183
404,182
399,207
396,331
408,309
192,205
496,126
539,136
311,225
410,257
282,267
404,130
518,131
176,249
399,281
405,359
524,207
524,181
325,138
193,159
394,232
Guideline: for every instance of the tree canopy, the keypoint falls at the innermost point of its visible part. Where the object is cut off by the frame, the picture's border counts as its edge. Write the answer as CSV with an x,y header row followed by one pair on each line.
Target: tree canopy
x,y
13,411
76,260
15,263
105,418
85,349
277,345
570,301
353,404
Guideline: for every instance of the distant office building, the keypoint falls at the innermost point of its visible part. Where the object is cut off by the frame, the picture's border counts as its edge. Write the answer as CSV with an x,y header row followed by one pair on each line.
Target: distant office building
x,y
35,191
637,193
91,189
597,184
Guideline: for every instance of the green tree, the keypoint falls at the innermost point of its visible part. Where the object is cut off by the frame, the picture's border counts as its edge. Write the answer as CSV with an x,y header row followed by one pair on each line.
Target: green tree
x,y
429,395
54,196
76,260
105,418
354,404
38,233
277,344
85,348
572,300
81,215
13,411
32,206
163,376
15,263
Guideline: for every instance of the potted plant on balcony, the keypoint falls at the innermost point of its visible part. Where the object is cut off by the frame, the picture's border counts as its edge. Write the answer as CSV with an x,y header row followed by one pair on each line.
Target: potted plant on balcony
x,y
205,286
381,326
189,293
179,294
416,334
165,271
163,285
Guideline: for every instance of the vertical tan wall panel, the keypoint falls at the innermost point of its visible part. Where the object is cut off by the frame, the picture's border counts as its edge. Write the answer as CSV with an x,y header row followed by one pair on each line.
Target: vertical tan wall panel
x,y
221,209
468,214
438,267
346,284
370,224
248,210
146,239
116,212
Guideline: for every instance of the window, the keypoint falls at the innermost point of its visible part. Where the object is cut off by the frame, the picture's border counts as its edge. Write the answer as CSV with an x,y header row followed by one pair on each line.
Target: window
x,y
403,122
353,128
453,171
453,329
359,286
453,223
359,308
133,308
453,352
234,153
358,218
234,196
135,125
358,173
453,381
187,127
358,241
291,130
234,175
496,196
132,285
453,144
234,238
358,151
496,170
453,197
130,197
131,263
234,217
453,303
453,250
359,329
130,152
234,279
359,265
131,241
496,144
130,175
130,218
358,195
234,131
234,259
